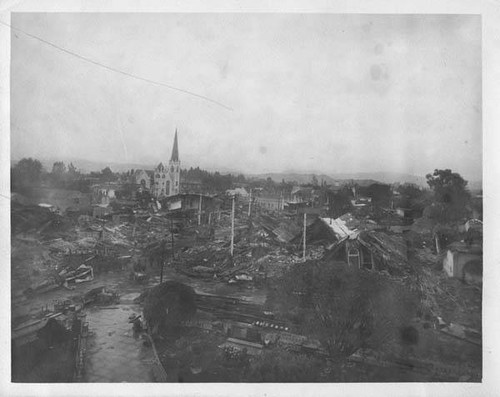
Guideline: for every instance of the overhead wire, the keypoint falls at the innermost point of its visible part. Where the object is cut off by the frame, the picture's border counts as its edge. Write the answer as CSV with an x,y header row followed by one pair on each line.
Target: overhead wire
x,y
113,69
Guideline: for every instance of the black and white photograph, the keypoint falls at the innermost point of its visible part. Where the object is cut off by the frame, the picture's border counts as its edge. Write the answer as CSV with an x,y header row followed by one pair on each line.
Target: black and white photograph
x,y
245,198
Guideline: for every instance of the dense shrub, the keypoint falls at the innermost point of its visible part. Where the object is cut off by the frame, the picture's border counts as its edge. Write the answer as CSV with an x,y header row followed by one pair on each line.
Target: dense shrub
x,y
168,304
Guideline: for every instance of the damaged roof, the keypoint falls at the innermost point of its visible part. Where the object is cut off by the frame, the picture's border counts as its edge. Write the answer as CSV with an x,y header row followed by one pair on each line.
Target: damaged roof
x,y
392,249
341,227
286,232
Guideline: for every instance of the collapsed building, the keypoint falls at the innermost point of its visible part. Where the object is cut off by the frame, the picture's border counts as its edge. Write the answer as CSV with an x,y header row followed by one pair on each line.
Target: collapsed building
x,y
198,228
362,244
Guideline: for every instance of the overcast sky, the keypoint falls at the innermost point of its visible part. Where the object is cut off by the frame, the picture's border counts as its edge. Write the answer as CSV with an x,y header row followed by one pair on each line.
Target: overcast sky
x,y
313,92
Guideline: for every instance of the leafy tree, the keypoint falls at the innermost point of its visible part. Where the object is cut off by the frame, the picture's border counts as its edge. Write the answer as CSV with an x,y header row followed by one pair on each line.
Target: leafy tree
x,y
286,187
270,185
59,168
240,178
340,202
450,194
58,177
343,308
380,194
211,182
26,174
107,175
67,177
412,197
72,170
410,190
168,304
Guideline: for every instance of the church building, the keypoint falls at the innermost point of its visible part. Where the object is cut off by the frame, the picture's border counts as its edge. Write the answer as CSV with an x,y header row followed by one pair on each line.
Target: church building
x,y
166,179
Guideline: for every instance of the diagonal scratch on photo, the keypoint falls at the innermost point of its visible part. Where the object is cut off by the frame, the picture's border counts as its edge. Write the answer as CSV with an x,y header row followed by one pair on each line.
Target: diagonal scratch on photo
x,y
245,197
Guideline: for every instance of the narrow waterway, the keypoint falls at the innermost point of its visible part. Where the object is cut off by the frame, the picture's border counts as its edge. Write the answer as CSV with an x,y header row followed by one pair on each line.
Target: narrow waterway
x,y
114,353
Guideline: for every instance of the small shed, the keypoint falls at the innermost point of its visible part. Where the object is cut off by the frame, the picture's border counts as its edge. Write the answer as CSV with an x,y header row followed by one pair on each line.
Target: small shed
x,y
458,255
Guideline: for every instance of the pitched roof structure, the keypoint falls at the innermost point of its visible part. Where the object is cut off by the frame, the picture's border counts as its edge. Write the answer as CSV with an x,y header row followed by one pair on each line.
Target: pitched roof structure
x,y
392,249
340,227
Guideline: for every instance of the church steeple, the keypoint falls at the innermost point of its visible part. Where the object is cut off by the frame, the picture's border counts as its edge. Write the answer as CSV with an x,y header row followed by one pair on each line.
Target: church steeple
x,y
175,150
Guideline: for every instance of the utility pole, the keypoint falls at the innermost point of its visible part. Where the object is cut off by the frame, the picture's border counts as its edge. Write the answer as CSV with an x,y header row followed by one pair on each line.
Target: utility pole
x,y
163,249
199,211
172,236
304,242
250,204
232,228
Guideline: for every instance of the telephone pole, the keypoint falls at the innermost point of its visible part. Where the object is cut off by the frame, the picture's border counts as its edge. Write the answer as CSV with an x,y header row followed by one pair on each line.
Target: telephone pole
x,y
172,237
304,242
163,249
232,228
199,211
250,204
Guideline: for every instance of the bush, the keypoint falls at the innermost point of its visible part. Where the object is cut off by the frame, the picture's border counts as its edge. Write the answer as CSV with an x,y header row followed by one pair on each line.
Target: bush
x,y
168,304
345,309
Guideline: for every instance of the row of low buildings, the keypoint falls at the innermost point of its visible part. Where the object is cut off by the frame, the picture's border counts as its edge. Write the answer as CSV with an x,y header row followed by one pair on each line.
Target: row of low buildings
x,y
298,197
162,182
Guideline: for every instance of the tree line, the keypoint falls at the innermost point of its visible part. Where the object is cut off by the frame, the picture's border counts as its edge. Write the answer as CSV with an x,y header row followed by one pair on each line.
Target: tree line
x,y
29,173
447,199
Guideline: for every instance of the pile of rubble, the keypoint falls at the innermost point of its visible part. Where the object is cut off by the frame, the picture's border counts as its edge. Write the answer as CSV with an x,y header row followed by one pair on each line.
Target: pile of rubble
x,y
62,255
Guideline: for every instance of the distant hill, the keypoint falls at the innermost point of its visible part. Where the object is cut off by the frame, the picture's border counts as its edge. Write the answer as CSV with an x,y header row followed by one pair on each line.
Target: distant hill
x,y
475,186
298,177
386,177
362,178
